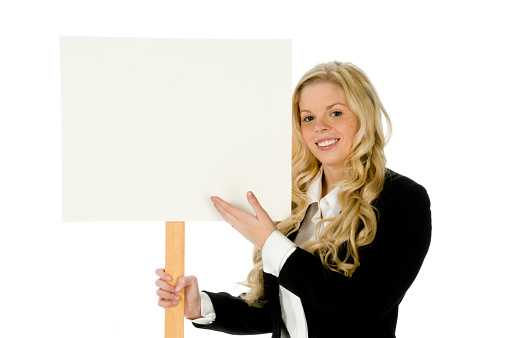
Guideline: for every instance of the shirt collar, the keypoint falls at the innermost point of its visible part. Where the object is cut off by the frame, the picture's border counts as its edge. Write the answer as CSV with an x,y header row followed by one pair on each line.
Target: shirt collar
x,y
329,205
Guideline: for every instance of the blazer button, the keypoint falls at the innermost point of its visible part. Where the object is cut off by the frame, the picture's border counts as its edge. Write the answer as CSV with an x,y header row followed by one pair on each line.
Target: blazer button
x,y
313,336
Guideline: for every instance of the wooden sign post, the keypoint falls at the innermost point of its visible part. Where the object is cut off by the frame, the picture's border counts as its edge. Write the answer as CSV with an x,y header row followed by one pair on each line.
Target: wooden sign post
x,y
175,252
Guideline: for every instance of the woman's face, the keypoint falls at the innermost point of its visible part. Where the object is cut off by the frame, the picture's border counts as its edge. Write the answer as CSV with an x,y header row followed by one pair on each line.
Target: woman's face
x,y
328,125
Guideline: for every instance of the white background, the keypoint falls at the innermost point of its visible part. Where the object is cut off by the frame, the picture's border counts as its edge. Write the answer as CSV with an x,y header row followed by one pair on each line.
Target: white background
x,y
440,68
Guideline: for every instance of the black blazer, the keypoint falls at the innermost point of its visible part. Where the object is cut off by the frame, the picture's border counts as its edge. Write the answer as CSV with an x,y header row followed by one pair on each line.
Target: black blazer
x,y
365,305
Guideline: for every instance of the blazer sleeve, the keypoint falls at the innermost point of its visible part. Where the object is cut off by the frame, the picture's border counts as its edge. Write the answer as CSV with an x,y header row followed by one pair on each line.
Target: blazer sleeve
x,y
235,316
388,266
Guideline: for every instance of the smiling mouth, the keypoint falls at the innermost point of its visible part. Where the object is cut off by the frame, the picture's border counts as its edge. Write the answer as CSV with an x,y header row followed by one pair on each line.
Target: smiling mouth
x,y
326,143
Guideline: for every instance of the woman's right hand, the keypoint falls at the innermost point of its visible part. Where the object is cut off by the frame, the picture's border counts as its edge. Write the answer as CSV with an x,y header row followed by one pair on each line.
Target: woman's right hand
x,y
168,293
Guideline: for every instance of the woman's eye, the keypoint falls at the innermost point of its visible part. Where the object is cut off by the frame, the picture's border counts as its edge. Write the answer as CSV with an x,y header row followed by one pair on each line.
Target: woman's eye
x,y
337,113
307,119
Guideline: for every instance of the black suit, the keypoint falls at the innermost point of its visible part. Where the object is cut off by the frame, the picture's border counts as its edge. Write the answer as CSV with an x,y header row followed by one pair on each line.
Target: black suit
x,y
365,305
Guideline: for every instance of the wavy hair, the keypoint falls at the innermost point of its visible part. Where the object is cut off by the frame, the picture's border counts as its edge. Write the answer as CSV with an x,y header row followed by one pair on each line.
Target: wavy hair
x,y
338,243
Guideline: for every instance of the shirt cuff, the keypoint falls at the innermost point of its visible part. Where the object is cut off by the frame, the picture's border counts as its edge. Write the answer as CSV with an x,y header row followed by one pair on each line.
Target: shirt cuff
x,y
207,310
275,252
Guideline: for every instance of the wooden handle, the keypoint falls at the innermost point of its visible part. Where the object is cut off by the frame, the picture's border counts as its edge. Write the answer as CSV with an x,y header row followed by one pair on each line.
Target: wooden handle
x,y
175,249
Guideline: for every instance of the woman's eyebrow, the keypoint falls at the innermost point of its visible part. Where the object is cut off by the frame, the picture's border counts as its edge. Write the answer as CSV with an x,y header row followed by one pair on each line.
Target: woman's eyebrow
x,y
332,105
326,108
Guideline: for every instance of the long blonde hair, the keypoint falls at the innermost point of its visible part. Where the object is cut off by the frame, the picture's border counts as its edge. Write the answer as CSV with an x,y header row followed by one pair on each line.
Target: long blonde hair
x,y
338,243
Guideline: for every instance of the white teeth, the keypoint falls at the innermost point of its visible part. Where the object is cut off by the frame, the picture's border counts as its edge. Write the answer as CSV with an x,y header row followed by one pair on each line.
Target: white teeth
x,y
327,142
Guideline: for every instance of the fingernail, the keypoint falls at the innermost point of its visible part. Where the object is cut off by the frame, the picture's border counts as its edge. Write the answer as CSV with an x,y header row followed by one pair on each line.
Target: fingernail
x,y
177,298
174,303
168,277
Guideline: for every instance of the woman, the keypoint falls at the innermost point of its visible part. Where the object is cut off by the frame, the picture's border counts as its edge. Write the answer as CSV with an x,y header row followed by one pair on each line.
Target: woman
x,y
341,263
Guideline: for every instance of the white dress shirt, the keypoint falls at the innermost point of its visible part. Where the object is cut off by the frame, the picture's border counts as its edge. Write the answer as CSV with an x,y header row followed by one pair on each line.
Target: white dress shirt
x,y
278,248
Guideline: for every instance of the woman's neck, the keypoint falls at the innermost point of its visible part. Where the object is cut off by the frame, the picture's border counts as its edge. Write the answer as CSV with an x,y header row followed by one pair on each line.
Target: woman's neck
x,y
329,180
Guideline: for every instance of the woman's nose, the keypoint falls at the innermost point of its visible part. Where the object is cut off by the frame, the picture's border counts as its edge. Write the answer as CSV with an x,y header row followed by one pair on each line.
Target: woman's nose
x,y
321,124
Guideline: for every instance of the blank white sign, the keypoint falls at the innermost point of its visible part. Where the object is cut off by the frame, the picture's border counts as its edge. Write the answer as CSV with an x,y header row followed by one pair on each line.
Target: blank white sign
x,y
151,128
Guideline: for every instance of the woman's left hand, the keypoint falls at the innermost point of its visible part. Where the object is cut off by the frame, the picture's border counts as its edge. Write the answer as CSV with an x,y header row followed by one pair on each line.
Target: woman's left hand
x,y
255,229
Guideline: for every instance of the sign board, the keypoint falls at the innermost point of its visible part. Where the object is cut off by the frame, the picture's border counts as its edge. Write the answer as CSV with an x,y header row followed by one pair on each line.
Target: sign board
x,y
151,128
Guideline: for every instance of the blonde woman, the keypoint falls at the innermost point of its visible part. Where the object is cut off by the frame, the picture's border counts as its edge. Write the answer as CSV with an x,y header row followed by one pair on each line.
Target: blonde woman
x,y
357,236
